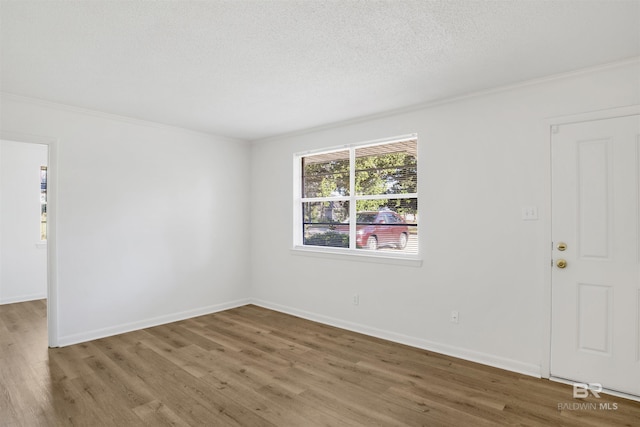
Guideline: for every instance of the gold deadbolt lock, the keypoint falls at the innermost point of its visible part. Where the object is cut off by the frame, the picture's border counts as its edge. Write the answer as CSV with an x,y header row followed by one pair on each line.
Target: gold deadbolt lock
x,y
561,263
562,246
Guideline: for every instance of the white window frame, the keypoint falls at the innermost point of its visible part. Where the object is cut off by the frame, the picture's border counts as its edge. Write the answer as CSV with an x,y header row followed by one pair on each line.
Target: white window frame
x,y
299,248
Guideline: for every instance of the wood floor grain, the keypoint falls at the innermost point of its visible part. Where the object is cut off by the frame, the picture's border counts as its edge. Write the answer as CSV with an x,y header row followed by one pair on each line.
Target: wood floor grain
x,y
254,367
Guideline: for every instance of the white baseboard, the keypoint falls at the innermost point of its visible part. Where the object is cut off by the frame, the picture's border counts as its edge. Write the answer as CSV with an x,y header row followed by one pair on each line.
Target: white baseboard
x,y
66,340
22,298
461,353
604,390
458,352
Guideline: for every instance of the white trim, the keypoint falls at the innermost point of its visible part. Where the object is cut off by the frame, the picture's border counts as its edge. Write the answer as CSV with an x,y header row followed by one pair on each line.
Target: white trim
x,y
609,113
357,197
361,255
22,298
1,226
333,149
52,206
549,124
353,206
444,101
604,390
325,199
458,352
297,197
545,353
148,323
387,196
111,116
368,143
298,200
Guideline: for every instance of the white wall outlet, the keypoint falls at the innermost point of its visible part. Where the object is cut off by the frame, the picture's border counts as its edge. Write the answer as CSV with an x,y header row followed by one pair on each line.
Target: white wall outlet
x,y
455,316
356,299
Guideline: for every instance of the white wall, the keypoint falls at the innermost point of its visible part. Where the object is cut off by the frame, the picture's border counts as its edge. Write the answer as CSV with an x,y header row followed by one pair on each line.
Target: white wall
x,y
151,220
481,160
23,257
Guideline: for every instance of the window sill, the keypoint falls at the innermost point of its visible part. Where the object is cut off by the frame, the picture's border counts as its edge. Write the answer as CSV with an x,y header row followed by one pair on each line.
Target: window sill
x,y
360,255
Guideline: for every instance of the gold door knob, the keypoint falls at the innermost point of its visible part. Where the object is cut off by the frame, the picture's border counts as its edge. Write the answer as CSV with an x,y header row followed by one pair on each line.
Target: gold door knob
x,y
561,263
562,246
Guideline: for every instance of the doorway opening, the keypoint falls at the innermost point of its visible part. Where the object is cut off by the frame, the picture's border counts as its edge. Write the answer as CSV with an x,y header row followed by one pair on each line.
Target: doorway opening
x,y
27,223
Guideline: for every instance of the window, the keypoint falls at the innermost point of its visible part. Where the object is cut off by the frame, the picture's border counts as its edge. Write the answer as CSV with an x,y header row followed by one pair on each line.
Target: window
x,y
362,197
43,203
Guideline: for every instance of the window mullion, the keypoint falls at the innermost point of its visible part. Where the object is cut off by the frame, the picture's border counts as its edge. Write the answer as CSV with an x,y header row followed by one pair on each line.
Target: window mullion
x,y
352,198
388,196
325,199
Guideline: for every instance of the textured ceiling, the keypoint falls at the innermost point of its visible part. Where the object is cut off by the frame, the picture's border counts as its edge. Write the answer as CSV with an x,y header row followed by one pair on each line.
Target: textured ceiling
x,y
252,69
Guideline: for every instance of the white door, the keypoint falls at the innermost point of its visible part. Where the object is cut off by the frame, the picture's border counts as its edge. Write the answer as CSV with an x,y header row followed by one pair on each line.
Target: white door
x,y
596,296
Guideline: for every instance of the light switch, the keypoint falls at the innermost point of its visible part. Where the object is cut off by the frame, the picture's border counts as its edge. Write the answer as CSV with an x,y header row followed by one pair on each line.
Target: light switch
x,y
530,213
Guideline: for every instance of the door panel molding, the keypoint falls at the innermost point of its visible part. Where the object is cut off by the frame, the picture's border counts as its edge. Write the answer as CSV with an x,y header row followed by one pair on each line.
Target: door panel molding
x,y
594,187
595,330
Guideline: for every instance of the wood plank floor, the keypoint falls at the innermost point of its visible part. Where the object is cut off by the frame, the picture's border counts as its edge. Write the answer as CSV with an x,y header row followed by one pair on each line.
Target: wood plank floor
x,y
254,367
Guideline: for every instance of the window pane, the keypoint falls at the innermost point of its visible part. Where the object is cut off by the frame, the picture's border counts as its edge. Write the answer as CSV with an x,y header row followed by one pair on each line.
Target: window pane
x,y
387,225
43,203
326,224
385,178
387,169
325,175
